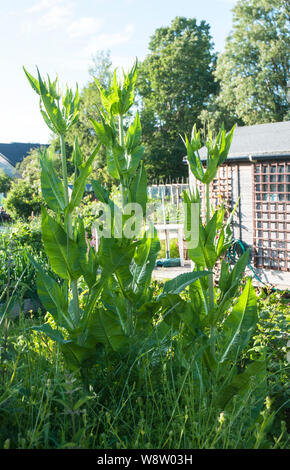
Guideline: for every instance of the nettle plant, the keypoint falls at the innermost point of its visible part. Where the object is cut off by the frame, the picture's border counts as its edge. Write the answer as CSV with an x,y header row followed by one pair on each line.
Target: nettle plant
x,y
116,313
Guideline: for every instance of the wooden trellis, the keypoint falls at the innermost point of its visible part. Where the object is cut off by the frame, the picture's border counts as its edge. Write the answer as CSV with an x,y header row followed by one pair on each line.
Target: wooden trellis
x,y
220,189
271,199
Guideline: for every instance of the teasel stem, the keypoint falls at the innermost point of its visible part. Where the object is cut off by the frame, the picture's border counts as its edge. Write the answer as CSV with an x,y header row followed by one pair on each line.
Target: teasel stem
x,y
74,285
121,141
210,276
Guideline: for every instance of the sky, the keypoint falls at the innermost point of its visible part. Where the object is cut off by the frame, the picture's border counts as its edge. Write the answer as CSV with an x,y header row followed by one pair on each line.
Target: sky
x,y
62,36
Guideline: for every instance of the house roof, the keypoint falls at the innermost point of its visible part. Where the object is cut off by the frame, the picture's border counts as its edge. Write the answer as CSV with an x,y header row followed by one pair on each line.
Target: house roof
x,y
261,140
16,151
6,166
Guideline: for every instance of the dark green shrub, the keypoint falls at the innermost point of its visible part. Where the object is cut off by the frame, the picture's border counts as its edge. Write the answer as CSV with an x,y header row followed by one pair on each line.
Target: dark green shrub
x,y
22,200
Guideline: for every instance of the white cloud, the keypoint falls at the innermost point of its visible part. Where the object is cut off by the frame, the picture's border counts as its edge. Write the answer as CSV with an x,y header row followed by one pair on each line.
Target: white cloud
x,y
47,15
84,27
43,5
55,17
105,41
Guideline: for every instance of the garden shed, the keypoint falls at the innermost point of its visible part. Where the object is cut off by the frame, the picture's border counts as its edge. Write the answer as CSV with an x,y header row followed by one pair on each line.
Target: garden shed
x,y
257,174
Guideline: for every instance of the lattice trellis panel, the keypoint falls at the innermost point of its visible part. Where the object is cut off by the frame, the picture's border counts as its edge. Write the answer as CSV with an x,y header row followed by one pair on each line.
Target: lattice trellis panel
x,y
271,197
220,189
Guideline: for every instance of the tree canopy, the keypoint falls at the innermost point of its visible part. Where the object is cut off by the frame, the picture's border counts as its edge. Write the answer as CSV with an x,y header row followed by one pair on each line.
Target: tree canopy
x,y
254,68
175,82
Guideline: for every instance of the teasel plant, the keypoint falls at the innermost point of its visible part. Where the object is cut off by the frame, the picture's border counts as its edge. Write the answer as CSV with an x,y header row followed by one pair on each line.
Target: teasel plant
x,y
112,315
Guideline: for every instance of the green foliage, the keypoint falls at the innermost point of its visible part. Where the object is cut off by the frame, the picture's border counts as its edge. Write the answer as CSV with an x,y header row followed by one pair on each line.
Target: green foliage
x,y
16,243
272,339
5,182
42,406
29,168
175,83
22,200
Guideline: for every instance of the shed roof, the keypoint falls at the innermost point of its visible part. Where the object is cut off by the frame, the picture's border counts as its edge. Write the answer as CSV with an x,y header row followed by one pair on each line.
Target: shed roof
x,y
261,140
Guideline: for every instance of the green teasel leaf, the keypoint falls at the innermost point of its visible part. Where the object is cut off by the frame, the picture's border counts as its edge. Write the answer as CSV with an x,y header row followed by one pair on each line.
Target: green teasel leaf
x,y
85,170
194,160
179,283
33,81
197,254
77,154
224,276
226,145
109,97
181,311
52,88
48,102
138,188
211,230
144,261
115,256
211,171
240,324
101,193
50,292
51,107
241,383
90,269
230,284
51,186
195,139
47,120
112,156
133,135
220,216
220,244
77,357
134,159
104,327
239,268
204,254
104,131
126,93
88,256
62,252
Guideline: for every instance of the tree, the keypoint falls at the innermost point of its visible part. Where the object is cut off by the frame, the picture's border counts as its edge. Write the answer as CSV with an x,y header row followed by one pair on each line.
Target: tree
x,y
175,83
22,200
5,182
29,167
254,68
